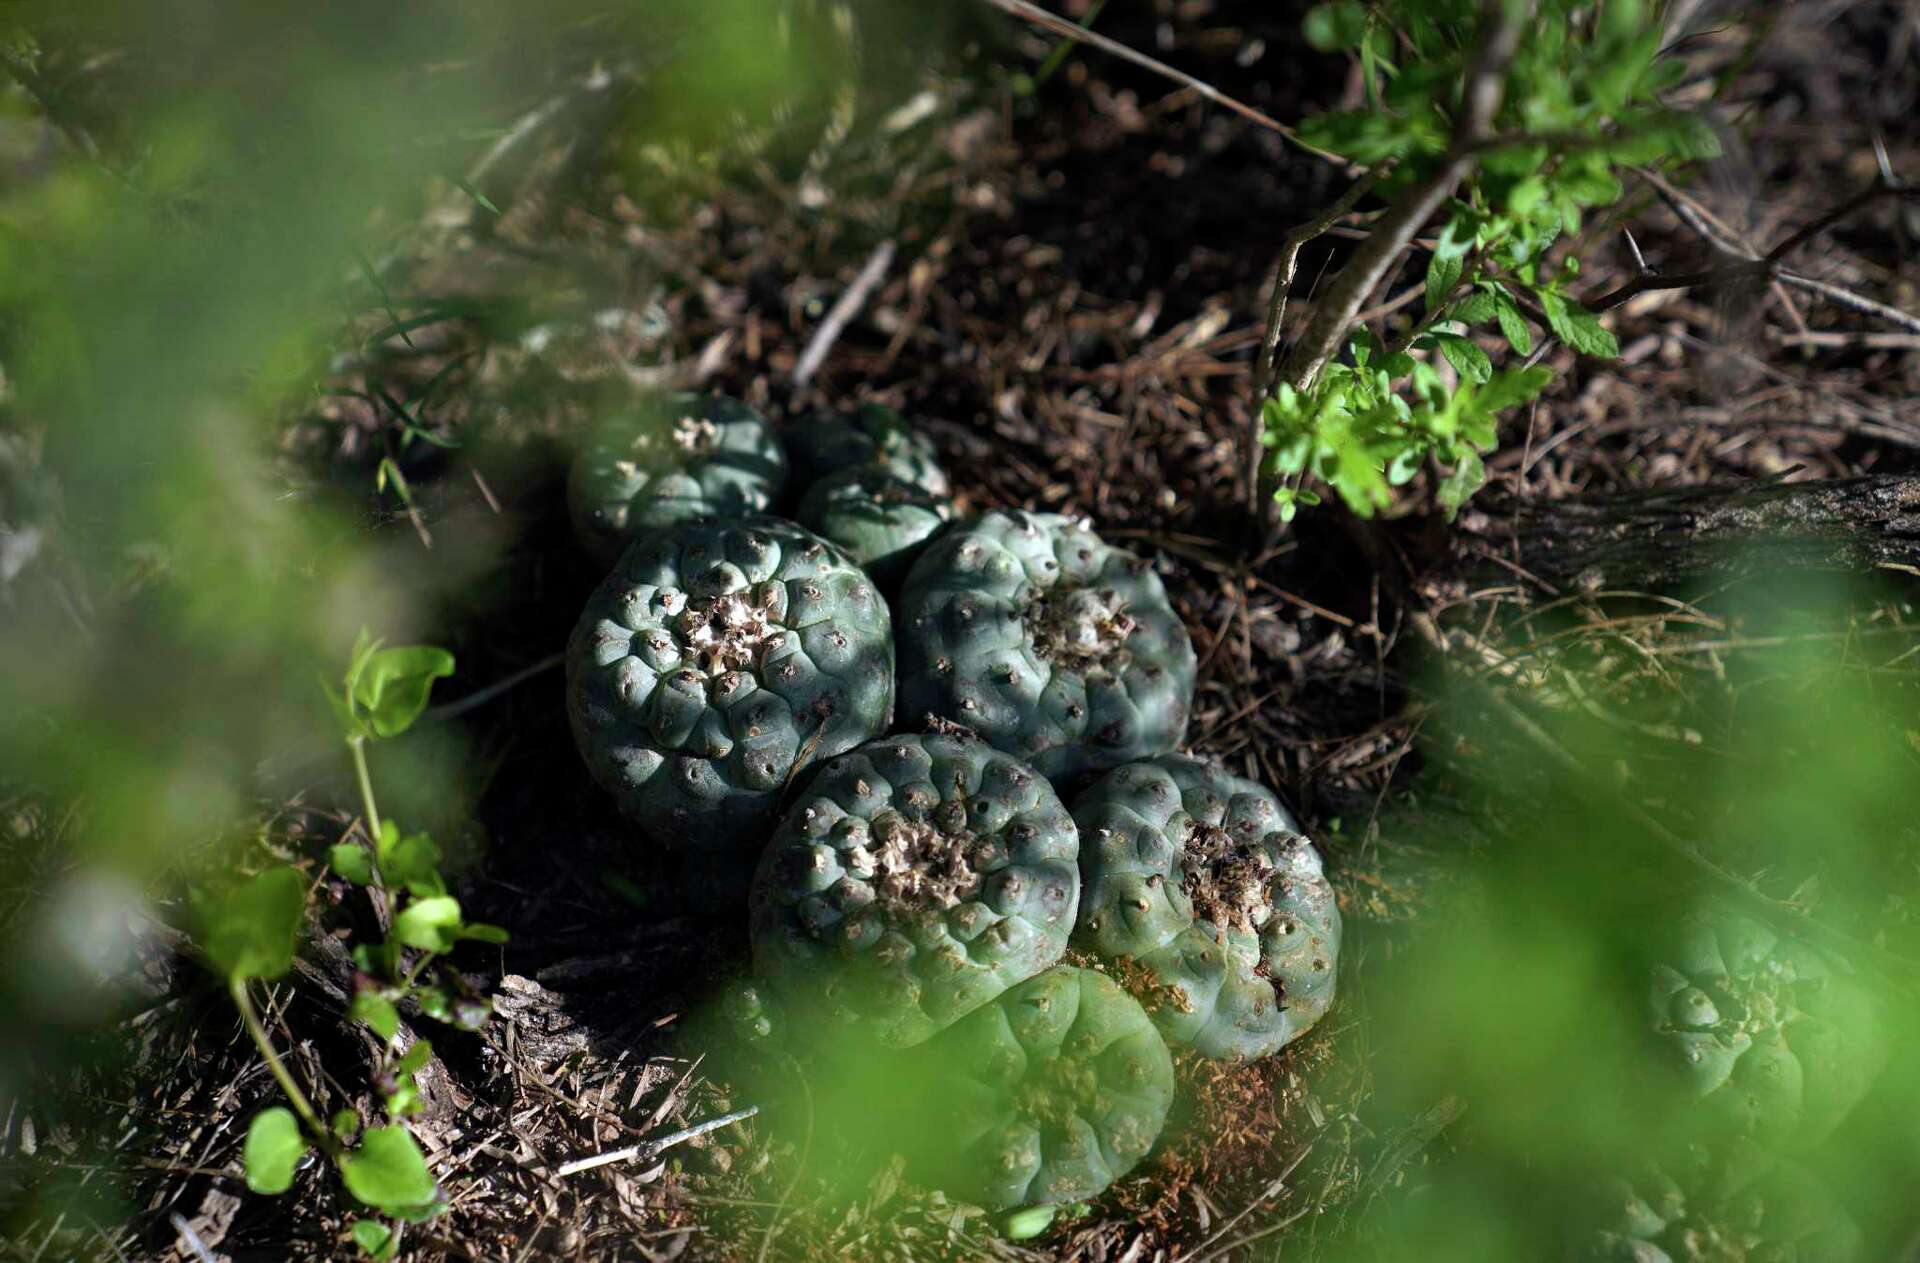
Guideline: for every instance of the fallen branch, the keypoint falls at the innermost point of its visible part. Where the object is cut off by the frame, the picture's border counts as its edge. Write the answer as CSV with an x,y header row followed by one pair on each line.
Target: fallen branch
x,y
1058,25
651,1149
843,311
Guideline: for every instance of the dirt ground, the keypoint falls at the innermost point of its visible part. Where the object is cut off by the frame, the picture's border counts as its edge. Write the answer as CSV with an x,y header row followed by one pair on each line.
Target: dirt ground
x,y
1073,294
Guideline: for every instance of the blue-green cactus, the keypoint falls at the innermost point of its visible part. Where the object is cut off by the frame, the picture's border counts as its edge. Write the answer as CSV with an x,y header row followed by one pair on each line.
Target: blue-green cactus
x,y
719,659
1203,878
669,460
1047,1095
914,880
1787,1215
871,437
1053,645
883,521
1773,1037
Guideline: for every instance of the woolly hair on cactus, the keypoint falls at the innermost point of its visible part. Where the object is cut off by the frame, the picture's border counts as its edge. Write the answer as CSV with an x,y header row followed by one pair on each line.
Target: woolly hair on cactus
x,y
871,437
719,659
1050,643
1047,1095
1203,878
915,879
669,460
883,521
1786,1214
1771,1035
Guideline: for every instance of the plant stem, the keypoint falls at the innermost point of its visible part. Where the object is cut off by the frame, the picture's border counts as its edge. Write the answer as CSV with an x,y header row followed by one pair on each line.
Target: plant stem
x,y
295,1097
358,745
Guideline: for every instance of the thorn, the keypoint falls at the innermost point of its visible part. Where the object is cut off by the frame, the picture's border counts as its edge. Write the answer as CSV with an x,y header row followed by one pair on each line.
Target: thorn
x,y
1639,260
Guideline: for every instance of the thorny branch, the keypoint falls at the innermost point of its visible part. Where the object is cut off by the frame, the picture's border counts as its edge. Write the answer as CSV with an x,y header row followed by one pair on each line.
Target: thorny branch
x,y
1750,266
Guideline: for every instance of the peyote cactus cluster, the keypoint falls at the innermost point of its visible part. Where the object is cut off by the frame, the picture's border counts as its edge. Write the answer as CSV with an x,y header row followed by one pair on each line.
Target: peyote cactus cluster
x,y
873,487
1047,641
1771,1036
911,897
1788,1215
716,661
1059,1087
914,881
1202,877
671,460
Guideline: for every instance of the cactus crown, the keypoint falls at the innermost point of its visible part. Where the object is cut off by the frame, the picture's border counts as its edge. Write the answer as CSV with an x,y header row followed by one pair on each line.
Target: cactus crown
x,y
1228,880
1084,630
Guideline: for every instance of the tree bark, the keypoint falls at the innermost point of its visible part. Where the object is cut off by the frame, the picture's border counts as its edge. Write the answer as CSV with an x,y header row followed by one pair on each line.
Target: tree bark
x,y
1686,537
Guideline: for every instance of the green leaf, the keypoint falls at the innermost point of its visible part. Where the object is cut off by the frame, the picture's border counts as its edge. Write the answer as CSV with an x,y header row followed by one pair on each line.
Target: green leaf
x,y
1513,324
1465,355
1449,254
388,1171
1475,308
1468,476
375,1238
414,862
1578,327
1330,28
377,1011
431,924
273,1149
392,687
483,933
1514,386
1024,1225
352,861
249,932
345,1123
414,1057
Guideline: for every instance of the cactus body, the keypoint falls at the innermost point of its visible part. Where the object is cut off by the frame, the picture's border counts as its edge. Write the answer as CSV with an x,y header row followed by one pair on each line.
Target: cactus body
x,y
1787,1215
718,660
1772,1036
881,520
1049,1094
672,460
1203,878
1054,646
913,881
871,437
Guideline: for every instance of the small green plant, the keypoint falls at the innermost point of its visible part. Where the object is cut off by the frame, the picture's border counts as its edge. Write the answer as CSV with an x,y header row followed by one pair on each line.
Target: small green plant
x,y
1504,125
250,934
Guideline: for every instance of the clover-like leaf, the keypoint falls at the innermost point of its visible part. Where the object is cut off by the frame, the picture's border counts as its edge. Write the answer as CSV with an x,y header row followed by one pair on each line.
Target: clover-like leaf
x,y
389,1172
375,1239
377,1012
392,686
272,1151
249,931
431,924
352,861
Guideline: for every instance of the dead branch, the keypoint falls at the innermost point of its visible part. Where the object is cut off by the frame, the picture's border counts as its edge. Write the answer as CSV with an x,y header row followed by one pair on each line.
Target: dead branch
x,y
1058,25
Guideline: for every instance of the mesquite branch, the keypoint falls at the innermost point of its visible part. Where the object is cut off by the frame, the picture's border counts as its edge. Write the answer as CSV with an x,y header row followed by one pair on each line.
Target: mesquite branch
x,y
1333,314
1751,266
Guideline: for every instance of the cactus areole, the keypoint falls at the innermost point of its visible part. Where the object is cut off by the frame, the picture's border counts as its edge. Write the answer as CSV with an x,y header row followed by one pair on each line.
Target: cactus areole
x,y
1049,1094
716,661
916,879
671,460
1203,878
1054,646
